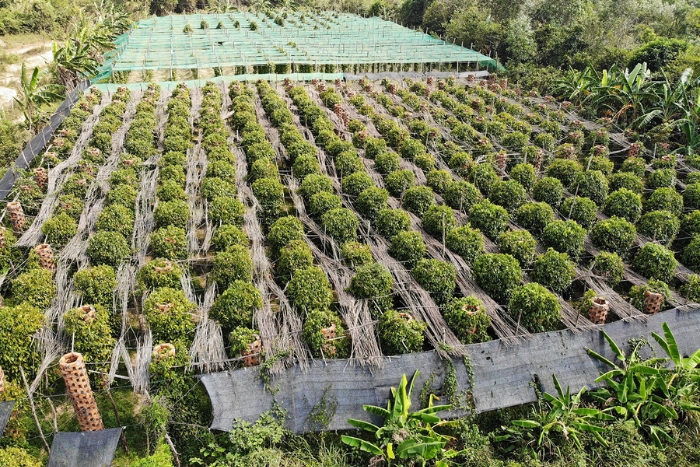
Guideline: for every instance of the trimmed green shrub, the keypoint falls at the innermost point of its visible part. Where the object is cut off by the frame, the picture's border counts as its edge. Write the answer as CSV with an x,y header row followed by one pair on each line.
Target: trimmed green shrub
x,y
691,196
534,216
418,199
614,234
484,177
635,165
71,205
371,201
535,307
294,255
167,191
581,210
437,277
439,220
626,180
90,334
96,285
623,203
170,315
665,199
158,273
283,231
462,195
609,266
356,254
656,262
116,218
232,265
373,282
309,289
468,320
461,163
490,218
425,162
520,244
554,270
347,163
601,163
315,183
524,174
175,213
509,194
661,178
305,165
356,183
399,333
263,168
323,202
226,210
60,228
270,194
591,184
565,237
466,242
374,147
392,221
660,226
398,181
387,162
438,180
108,248
564,170
408,247
227,236
35,287
312,334
341,224
498,274
17,457
691,290
653,285
690,224
212,187
169,242
125,195
236,305
17,326
548,190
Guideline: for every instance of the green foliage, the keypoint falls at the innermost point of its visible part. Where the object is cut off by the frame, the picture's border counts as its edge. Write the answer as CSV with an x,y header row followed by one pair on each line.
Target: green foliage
x,y
466,242
565,237
498,274
169,242
691,289
309,289
490,218
439,220
484,177
655,261
12,456
408,247
581,210
17,326
623,203
236,305
392,221
315,322
356,254
418,199
660,226
437,277
71,205
170,315
108,248
35,287
691,196
356,183
225,210
284,230
509,194
534,216
295,255
96,285
373,282
371,201
438,180
535,307
462,195
662,178
524,174
315,183
468,319
626,180
305,165
520,244
270,194
387,162
665,199
399,333
637,292
691,254
158,273
323,202
553,270
609,266
548,190
564,170
591,184
341,224
232,265
615,234
90,333
227,236
59,229
117,218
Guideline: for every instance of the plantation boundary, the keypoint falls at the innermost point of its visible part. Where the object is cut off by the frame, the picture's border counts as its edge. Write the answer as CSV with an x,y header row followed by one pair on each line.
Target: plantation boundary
x,y
500,375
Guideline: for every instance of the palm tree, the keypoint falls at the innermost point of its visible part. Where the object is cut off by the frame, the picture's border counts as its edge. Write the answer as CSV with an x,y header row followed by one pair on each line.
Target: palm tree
x,y
32,95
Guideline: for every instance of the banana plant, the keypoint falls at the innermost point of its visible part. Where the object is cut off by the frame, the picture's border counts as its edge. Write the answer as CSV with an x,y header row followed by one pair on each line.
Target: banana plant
x,y
405,434
33,95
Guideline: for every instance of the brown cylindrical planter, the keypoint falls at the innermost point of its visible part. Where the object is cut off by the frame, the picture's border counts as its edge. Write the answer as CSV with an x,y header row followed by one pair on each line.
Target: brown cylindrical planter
x,y
652,302
16,213
501,161
45,254
163,351
252,353
41,177
329,334
80,393
598,311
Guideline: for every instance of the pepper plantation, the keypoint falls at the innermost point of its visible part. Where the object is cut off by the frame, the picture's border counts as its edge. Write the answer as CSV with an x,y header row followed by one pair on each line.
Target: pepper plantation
x,y
170,234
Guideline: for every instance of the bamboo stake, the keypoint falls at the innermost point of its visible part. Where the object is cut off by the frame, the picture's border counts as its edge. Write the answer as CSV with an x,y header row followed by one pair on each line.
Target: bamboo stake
x,y
31,403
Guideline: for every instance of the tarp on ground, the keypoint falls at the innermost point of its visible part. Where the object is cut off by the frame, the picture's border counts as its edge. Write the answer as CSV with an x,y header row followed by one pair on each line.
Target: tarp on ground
x,y
84,449
5,413
502,375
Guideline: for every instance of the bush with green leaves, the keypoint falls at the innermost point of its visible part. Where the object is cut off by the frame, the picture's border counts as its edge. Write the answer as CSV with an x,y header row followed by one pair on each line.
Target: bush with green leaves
x,y
437,277
565,237
615,234
170,315
520,244
564,170
655,261
305,165
323,202
534,216
374,147
284,230
581,210
554,270
236,305
341,224
408,247
313,336
623,203
159,273
524,174
509,194
356,183
661,178
167,191
439,220
17,326
117,218
71,205
263,168
108,248
96,285
691,289
466,242
35,287
356,254
212,187
665,199
609,266
660,226
535,307
90,334
591,184
626,180
637,292
12,456
490,218
418,199
270,195
309,289
468,319
601,163
374,283
169,242
294,255
461,163
228,235
315,183
399,333
371,201
231,265
438,180
390,222
498,274
387,162
60,228
634,165
347,163
226,210
398,181
691,196
175,213
462,195
548,190
484,177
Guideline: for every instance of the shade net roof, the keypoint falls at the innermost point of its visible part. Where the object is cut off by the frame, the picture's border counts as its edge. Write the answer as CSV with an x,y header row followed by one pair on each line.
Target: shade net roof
x,y
305,38
84,449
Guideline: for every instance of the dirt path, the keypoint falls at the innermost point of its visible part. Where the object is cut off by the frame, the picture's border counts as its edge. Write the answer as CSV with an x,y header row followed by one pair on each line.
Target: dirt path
x,y
32,50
